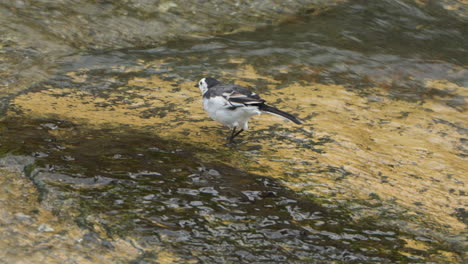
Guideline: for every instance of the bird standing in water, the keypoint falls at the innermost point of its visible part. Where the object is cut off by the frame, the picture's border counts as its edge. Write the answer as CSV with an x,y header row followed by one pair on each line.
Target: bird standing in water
x,y
233,105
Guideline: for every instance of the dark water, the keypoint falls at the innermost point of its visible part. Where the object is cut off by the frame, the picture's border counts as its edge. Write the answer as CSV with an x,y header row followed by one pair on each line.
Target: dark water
x,y
137,185
133,184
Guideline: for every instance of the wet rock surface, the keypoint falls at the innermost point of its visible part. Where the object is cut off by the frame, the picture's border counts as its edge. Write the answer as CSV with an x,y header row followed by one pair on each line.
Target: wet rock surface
x,y
120,24
31,233
158,194
109,156
39,35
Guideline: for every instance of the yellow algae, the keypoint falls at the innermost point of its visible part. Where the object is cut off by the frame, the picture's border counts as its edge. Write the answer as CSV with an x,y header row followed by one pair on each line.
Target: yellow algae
x,y
443,256
160,64
23,242
77,77
166,257
452,7
393,149
236,60
448,6
444,84
421,2
457,6
248,72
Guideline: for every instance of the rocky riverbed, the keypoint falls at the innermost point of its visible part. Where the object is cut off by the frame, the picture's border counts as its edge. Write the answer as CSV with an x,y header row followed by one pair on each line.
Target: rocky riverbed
x,y
107,155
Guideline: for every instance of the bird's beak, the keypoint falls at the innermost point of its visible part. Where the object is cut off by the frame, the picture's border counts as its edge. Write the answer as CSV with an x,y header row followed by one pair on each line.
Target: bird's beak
x,y
196,85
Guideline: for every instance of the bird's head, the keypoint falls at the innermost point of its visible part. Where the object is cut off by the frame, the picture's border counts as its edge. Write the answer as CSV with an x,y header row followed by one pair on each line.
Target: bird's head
x,y
205,83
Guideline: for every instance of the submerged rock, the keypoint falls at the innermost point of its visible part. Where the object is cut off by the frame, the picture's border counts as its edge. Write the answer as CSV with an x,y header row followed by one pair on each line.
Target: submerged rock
x,y
121,24
37,35
127,167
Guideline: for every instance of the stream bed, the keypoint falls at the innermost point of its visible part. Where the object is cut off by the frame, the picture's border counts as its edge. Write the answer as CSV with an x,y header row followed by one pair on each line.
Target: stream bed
x,y
108,156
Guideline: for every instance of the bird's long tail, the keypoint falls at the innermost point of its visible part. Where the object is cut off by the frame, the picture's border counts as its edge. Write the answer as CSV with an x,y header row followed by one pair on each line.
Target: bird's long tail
x,y
274,111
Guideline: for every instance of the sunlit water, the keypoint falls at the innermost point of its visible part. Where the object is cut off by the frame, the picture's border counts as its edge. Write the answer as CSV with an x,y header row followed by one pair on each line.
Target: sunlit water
x,y
361,44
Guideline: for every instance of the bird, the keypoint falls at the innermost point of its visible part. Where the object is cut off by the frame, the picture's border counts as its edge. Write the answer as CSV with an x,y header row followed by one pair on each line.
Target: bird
x,y
233,105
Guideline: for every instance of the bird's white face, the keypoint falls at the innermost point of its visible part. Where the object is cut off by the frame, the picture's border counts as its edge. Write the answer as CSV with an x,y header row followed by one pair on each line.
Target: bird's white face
x,y
203,86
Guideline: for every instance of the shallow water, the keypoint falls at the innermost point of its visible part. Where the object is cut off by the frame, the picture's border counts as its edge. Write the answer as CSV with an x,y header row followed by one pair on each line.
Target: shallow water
x,y
133,184
122,147
360,45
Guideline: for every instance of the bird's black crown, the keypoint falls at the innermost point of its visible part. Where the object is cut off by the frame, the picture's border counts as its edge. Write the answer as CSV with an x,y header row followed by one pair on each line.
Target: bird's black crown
x,y
211,82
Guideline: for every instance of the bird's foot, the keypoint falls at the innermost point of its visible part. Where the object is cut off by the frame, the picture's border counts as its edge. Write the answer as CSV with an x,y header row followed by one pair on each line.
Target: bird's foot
x,y
230,142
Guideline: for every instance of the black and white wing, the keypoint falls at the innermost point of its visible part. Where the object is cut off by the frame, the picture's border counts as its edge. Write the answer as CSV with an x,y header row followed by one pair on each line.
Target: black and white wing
x,y
235,96
240,97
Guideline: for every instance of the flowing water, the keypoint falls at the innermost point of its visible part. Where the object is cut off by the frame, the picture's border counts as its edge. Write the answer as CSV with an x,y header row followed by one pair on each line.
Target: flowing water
x,y
122,149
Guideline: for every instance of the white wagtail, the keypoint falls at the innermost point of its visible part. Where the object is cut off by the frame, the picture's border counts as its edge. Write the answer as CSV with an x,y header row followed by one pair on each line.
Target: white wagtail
x,y
233,105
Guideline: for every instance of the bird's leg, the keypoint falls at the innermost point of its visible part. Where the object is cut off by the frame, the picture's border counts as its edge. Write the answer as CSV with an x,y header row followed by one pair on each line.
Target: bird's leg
x,y
236,134
233,132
